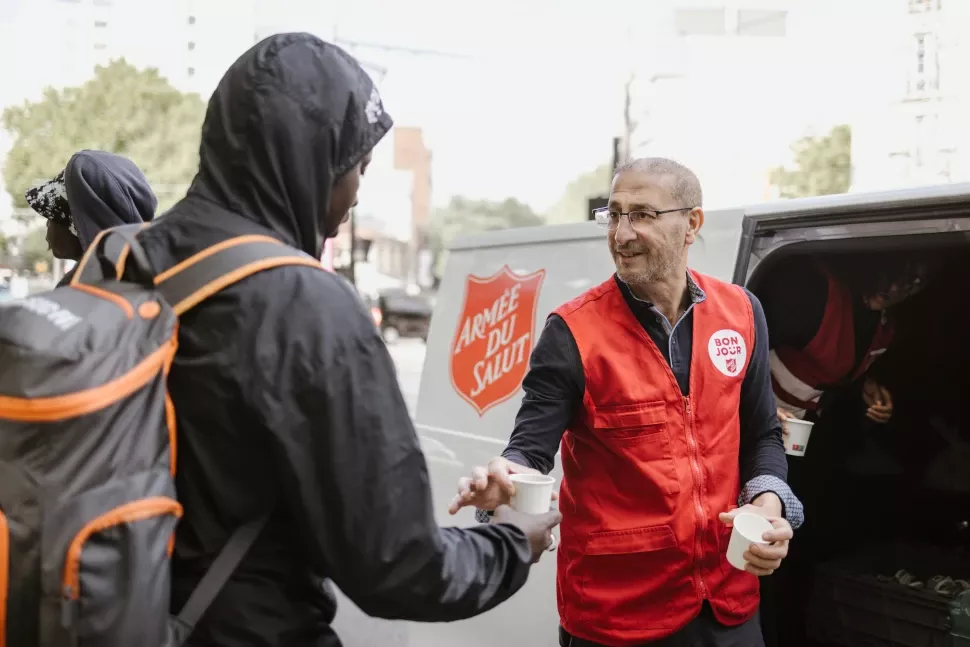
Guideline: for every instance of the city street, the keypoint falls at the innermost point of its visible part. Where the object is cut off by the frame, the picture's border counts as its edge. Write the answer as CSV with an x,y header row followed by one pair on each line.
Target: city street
x,y
354,627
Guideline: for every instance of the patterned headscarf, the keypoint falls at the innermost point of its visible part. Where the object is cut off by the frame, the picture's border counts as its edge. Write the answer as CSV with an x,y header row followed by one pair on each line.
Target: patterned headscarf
x,y
50,200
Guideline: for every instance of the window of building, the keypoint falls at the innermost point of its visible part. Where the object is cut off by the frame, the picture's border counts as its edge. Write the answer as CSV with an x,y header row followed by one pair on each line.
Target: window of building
x,y
918,6
100,23
759,22
191,20
191,71
100,46
191,45
925,74
701,22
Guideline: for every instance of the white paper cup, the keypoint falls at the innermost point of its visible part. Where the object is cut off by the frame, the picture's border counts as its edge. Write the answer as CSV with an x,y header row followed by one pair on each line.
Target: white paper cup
x,y
533,493
796,442
748,529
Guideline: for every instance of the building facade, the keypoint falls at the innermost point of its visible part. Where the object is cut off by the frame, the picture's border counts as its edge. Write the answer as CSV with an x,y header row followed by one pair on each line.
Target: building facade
x,y
918,130
726,86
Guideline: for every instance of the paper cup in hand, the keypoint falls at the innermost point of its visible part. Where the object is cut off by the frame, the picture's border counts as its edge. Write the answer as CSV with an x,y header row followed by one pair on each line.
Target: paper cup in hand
x,y
748,529
796,441
533,493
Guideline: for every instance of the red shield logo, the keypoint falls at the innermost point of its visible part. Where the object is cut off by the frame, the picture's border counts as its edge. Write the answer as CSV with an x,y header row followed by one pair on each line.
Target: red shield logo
x,y
731,365
493,340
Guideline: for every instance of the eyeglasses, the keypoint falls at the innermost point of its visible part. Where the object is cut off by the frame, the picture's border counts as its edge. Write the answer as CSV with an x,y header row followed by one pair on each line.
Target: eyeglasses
x,y
610,218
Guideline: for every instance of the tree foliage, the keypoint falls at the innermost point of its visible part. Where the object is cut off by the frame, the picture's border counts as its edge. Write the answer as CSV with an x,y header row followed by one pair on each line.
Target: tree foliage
x,y
35,250
574,204
464,216
135,113
823,166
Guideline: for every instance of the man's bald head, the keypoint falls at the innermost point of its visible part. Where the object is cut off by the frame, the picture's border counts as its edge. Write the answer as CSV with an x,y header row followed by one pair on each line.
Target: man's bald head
x,y
684,187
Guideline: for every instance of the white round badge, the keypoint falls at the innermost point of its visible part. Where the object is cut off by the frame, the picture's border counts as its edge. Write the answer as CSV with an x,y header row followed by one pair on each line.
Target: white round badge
x,y
728,351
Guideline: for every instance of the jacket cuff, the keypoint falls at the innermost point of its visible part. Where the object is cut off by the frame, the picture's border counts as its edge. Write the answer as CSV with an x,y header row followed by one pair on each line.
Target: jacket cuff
x,y
791,507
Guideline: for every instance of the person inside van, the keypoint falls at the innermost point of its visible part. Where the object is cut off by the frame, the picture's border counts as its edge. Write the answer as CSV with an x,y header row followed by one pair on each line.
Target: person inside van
x,y
286,398
656,385
97,190
829,323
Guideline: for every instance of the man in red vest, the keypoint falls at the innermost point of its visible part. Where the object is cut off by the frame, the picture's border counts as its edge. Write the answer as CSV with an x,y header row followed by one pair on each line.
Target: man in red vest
x,y
657,386
829,324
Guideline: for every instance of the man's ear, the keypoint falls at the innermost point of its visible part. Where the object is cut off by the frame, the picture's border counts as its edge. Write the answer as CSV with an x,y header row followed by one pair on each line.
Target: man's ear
x,y
695,220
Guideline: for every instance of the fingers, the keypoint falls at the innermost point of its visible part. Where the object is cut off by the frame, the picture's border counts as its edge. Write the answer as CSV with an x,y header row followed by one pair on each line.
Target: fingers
x,y
765,560
551,519
479,479
757,571
879,414
728,517
767,555
781,531
498,470
886,397
464,497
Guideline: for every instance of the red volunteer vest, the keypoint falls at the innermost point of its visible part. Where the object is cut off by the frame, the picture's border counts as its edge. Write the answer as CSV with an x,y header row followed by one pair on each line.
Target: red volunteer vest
x,y
646,472
799,377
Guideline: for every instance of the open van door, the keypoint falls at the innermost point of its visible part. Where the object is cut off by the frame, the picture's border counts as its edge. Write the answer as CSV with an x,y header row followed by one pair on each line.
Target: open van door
x,y
907,462
842,221
496,292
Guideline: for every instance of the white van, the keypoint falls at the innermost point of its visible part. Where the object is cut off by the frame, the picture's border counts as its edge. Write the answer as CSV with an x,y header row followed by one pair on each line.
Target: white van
x,y
470,385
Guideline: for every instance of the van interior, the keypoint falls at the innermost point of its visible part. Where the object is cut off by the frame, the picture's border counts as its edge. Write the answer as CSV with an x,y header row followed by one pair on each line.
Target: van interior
x,y
884,555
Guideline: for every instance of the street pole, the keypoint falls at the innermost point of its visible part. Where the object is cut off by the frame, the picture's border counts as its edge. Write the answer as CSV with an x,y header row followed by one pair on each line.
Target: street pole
x,y
353,247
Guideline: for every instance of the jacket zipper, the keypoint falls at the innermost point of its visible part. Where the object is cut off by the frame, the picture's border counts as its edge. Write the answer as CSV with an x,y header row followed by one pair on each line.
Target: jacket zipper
x,y
4,575
127,513
698,480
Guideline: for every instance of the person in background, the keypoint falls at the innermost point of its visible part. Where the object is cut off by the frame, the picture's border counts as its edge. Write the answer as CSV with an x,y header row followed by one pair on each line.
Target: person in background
x,y
287,400
95,191
829,323
662,436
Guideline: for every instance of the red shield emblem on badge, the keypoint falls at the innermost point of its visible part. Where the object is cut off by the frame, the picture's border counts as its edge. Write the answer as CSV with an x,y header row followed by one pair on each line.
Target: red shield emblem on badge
x,y
731,365
494,338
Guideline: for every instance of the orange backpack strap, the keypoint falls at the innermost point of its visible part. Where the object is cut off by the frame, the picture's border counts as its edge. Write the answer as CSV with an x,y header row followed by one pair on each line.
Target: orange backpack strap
x,y
197,278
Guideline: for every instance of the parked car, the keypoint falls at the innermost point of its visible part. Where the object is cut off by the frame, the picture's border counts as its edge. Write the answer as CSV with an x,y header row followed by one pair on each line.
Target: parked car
x,y
400,313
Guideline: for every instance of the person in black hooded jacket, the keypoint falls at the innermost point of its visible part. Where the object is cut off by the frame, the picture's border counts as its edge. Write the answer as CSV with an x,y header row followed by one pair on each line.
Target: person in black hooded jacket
x,y
95,191
286,397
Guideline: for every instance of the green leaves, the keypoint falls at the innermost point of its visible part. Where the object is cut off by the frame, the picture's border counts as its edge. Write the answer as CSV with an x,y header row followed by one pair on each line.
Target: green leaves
x,y
131,112
823,166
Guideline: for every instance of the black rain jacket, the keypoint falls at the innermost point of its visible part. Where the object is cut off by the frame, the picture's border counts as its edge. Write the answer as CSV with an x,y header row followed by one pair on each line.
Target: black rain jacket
x,y
285,394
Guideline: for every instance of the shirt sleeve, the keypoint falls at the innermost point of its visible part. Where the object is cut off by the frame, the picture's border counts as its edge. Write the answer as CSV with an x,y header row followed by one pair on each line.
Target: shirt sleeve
x,y
554,389
764,467
353,475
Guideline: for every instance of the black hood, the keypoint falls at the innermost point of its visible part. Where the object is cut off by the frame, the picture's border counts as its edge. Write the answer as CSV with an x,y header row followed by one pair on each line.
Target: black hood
x,y
289,118
106,190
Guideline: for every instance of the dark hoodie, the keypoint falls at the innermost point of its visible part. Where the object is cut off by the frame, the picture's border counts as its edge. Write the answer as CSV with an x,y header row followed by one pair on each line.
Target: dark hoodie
x,y
285,394
105,190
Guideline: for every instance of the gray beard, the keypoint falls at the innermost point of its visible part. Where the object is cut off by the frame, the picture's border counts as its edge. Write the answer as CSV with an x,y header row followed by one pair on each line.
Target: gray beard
x,y
657,269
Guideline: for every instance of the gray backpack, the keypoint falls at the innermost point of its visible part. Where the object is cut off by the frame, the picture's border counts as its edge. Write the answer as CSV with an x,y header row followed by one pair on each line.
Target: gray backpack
x,y
88,450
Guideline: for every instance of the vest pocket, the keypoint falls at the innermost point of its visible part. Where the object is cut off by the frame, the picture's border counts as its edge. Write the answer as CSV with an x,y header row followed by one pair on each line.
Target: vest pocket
x,y
628,577
115,582
637,435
